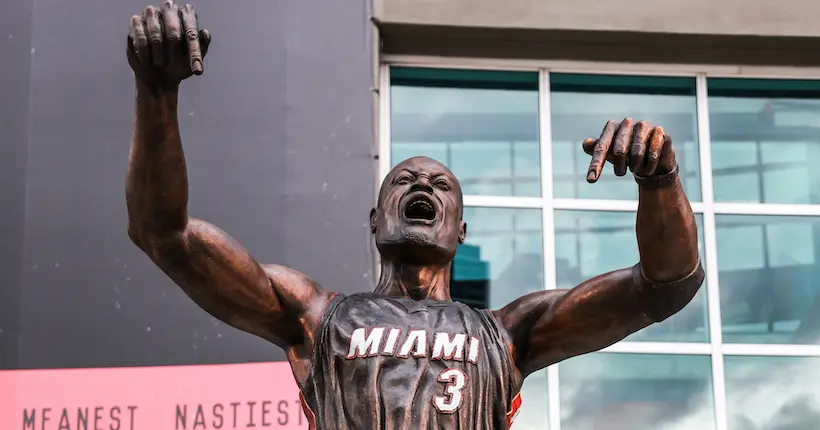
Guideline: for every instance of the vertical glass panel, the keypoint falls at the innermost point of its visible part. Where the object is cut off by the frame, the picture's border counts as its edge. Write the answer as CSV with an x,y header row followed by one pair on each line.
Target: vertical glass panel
x,y
778,393
483,125
501,259
533,412
769,278
582,104
589,243
636,392
765,136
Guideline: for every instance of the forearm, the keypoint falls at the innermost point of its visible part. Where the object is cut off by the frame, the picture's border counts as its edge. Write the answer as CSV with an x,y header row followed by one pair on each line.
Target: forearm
x,y
667,233
156,180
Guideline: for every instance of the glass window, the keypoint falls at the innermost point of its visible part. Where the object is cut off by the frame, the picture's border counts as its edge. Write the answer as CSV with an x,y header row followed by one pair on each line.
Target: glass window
x,y
581,106
533,412
636,392
773,393
483,125
764,134
589,243
767,268
501,259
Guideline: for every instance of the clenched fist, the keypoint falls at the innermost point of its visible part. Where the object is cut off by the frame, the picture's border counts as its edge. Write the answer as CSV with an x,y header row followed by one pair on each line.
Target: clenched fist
x,y
165,45
644,148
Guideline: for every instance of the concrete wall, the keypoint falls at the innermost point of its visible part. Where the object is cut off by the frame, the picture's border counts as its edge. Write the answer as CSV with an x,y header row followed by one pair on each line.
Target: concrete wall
x,y
279,140
734,32
796,18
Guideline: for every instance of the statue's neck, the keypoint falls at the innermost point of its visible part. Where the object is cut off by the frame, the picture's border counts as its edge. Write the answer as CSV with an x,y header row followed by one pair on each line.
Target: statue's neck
x,y
416,282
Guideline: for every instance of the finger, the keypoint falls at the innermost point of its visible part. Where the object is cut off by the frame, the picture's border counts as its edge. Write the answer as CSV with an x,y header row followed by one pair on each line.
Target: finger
x,y
589,145
139,39
600,151
667,159
637,150
154,30
191,29
653,152
620,145
589,149
172,25
133,61
205,41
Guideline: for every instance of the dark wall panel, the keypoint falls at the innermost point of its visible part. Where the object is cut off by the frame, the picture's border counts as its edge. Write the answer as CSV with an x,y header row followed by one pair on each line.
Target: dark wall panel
x,y
15,52
277,132
331,169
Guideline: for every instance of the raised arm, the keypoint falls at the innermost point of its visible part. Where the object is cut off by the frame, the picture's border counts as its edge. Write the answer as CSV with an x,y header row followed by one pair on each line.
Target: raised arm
x,y
281,305
549,326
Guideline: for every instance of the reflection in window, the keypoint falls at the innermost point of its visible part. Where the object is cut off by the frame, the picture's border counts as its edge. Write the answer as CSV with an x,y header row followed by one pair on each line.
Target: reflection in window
x,y
581,106
773,393
533,412
765,137
590,243
483,125
501,259
769,279
636,392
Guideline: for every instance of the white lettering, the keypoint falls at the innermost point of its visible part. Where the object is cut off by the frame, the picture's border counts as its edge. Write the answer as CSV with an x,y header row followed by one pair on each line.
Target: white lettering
x,y
448,349
392,338
370,342
359,343
455,380
417,338
472,355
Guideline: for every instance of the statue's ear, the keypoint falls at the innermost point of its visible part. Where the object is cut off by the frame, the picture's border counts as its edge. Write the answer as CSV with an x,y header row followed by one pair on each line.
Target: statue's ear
x,y
462,234
374,214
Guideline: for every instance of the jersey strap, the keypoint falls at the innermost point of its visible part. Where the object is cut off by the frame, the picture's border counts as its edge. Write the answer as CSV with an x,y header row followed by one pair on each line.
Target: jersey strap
x,y
311,417
514,406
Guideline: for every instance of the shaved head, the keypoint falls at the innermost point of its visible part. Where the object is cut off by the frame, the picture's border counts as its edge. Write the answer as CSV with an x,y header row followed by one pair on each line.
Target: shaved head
x,y
419,211
414,162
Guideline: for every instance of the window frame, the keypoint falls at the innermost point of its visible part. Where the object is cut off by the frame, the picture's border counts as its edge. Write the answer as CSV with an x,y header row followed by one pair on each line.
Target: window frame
x,y
707,207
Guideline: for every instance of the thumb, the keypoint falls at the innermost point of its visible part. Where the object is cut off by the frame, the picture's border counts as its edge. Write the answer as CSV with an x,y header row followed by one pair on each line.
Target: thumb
x,y
133,60
205,41
666,161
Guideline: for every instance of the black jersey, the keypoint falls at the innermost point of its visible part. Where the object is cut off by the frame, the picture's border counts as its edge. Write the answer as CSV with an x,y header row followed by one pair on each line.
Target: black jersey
x,y
396,363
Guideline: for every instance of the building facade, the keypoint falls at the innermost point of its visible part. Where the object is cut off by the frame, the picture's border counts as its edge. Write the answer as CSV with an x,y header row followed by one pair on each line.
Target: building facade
x,y
306,105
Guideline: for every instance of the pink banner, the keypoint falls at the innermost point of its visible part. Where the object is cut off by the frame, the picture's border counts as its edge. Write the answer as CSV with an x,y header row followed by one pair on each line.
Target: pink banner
x,y
240,396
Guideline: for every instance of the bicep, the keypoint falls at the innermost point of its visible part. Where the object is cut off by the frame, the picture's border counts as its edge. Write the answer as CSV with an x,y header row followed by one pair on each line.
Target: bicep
x,y
552,326
221,276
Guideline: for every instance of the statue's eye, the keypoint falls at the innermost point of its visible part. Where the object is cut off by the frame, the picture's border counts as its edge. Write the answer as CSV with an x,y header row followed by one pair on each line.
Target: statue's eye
x,y
403,180
443,185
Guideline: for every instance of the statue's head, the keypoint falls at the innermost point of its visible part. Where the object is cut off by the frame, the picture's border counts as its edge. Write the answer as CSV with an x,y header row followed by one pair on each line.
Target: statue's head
x,y
418,217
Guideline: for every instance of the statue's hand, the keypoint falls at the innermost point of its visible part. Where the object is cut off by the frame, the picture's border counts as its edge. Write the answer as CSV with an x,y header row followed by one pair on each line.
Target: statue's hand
x,y
165,45
644,148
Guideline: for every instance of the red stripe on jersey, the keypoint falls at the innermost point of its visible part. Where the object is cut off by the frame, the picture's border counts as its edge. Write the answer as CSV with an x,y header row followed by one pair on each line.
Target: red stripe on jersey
x,y
516,403
311,417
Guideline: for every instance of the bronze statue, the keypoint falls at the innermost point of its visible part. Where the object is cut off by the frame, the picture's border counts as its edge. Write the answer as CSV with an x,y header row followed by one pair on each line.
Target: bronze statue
x,y
405,356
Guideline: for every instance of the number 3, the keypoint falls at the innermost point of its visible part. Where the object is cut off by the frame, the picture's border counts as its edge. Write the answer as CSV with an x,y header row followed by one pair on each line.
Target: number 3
x,y
451,400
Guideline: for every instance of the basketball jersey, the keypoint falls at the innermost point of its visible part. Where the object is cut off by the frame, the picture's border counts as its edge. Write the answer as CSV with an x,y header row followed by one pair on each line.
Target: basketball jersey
x,y
396,363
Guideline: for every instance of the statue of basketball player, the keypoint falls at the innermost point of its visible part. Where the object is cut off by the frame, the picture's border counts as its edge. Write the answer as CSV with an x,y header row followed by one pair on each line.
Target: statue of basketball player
x,y
405,356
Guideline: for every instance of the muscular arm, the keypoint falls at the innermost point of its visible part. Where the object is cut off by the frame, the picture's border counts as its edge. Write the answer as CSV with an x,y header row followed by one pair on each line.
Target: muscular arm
x,y
213,269
549,326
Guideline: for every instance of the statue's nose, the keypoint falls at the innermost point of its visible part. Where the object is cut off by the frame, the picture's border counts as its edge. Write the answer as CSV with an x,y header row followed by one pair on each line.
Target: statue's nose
x,y
422,183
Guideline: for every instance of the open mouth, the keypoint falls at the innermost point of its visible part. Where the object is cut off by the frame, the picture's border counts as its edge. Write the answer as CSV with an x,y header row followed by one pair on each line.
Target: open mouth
x,y
420,209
